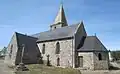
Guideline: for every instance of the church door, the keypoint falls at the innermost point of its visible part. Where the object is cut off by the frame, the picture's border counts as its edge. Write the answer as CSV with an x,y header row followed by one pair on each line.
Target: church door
x,y
80,61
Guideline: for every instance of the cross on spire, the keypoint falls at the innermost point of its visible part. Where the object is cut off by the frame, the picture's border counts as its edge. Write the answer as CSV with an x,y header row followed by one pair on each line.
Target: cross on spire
x,y
61,2
60,18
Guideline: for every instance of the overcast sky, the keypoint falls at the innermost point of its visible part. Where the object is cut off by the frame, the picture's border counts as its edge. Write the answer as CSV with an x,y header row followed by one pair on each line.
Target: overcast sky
x,y
33,16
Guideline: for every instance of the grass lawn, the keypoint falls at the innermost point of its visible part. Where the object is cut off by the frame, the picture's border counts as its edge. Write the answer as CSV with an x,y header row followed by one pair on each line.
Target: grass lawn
x,y
42,69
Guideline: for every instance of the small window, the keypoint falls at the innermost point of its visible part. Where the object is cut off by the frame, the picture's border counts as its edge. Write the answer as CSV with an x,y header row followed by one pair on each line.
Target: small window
x,y
58,61
99,56
43,49
55,27
11,48
57,48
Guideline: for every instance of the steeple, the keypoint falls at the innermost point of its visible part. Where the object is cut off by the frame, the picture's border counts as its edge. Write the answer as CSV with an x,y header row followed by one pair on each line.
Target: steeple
x,y
60,20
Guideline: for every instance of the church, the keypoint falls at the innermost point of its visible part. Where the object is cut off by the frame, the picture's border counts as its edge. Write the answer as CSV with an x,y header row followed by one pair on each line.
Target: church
x,y
67,46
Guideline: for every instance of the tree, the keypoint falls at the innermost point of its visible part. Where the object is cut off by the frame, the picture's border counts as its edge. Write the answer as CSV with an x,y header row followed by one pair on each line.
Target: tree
x,y
3,51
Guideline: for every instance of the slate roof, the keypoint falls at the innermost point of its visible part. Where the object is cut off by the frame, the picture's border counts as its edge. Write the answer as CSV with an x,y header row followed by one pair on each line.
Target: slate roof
x,y
64,32
92,43
30,42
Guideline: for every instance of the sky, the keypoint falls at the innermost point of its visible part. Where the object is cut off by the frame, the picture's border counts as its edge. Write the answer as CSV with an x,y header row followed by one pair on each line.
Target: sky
x,y
33,16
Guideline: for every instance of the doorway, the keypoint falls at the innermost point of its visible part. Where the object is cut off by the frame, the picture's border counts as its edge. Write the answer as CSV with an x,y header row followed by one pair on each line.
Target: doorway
x,y
80,61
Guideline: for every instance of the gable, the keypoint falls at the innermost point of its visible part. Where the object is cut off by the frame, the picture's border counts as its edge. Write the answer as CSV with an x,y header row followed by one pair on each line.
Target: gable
x,y
79,34
11,49
30,47
92,43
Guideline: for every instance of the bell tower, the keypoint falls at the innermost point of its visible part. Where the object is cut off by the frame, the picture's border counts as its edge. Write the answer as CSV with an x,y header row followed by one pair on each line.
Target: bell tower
x,y
60,20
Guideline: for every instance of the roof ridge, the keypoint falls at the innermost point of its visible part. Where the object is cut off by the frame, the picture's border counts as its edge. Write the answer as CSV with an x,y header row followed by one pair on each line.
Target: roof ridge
x,y
24,35
59,28
56,29
65,26
67,31
92,47
90,36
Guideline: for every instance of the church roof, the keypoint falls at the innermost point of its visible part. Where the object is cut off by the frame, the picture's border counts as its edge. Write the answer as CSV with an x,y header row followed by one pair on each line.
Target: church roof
x,y
64,32
92,43
28,41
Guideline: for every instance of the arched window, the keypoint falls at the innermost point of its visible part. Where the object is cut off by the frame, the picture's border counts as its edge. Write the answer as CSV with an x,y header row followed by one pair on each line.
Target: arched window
x,y
57,48
99,56
58,61
43,49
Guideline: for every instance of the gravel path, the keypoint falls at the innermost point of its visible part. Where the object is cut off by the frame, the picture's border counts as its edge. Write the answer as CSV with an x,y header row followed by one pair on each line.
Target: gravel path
x,y
101,72
4,69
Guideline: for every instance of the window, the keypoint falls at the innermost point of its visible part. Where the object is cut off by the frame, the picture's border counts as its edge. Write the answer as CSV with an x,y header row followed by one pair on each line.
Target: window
x,y
55,27
58,61
99,56
11,48
43,49
57,48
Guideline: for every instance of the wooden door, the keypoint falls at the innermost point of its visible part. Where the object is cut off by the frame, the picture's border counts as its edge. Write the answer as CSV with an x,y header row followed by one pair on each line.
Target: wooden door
x,y
80,61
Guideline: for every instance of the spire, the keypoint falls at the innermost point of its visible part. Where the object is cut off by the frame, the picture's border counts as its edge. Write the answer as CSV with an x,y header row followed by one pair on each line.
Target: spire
x,y
60,18
81,22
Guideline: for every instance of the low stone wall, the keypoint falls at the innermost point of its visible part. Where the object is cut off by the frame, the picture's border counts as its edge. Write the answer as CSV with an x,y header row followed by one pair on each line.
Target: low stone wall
x,y
87,60
101,65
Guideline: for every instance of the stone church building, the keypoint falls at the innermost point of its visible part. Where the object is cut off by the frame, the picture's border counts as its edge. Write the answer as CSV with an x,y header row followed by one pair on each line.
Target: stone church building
x,y
67,46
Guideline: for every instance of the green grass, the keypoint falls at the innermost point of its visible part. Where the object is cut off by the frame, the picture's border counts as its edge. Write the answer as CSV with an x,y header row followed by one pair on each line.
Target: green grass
x,y
42,69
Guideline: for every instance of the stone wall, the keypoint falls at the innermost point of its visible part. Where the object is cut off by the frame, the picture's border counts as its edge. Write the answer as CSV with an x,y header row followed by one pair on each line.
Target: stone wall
x,y
101,64
11,61
31,50
91,61
66,52
87,60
